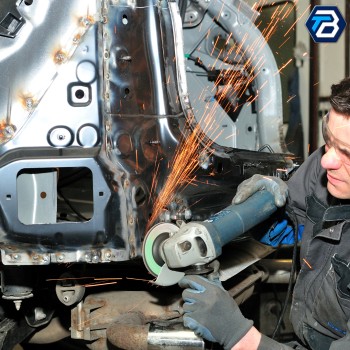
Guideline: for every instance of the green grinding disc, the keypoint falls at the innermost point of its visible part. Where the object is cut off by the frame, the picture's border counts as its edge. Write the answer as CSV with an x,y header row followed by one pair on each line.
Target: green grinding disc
x,y
151,246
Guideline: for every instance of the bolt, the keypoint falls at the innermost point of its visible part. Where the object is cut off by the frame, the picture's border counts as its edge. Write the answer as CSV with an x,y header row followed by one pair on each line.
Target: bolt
x,y
167,216
17,304
16,257
188,214
95,258
185,246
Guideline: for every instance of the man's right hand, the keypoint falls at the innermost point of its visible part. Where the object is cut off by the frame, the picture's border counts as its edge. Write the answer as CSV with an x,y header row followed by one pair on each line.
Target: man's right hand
x,y
211,312
257,182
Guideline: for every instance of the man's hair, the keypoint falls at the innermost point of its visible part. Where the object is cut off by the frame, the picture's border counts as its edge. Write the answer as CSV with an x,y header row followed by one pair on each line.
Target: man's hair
x,y
340,97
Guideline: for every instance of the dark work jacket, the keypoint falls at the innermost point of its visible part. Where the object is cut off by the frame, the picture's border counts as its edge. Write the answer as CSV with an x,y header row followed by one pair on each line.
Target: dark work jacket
x,y
320,310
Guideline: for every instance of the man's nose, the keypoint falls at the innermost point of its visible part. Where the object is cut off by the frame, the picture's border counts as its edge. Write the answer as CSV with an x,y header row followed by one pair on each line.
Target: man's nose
x,y
330,160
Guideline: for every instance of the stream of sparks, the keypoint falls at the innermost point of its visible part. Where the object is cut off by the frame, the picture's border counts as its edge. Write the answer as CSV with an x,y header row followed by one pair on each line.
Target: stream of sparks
x,y
187,156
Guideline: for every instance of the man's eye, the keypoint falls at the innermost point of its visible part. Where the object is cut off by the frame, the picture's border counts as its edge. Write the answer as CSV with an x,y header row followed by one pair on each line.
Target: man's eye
x,y
345,152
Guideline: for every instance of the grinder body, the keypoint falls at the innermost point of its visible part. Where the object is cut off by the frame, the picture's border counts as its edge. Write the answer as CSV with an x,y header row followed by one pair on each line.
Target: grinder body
x,y
202,242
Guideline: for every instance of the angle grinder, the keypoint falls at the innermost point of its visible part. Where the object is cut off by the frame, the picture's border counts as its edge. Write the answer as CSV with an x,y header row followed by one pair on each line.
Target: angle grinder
x,y
169,250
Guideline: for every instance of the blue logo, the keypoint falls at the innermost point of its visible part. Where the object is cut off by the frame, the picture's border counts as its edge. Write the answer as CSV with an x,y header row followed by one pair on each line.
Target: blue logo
x,y
325,24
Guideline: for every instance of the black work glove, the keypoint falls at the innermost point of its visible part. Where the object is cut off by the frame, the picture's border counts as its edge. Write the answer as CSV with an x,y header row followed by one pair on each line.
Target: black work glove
x,y
258,182
211,312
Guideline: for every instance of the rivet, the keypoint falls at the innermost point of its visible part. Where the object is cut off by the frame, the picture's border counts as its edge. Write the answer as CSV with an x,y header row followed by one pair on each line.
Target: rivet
x,y
29,103
85,21
76,39
9,131
60,57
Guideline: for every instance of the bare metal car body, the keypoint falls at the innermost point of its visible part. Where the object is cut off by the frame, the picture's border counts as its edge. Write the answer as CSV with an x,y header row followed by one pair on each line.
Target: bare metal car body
x,y
94,107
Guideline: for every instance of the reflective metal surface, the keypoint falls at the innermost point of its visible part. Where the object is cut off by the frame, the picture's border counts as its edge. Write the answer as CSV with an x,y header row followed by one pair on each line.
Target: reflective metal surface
x,y
173,337
94,111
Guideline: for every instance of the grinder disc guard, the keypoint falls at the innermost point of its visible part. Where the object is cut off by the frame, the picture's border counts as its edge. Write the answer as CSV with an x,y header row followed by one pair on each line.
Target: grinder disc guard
x,y
152,257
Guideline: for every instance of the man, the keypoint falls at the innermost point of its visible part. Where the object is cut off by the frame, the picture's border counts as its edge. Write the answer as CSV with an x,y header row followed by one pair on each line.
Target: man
x,y
319,195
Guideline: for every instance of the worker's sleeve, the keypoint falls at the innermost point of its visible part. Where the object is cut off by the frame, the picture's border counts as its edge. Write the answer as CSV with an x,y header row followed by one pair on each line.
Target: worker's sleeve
x,y
267,343
343,343
279,230
281,233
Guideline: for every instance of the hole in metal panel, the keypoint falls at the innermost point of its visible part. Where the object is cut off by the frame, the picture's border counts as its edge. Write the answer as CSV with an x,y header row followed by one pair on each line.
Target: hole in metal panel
x,y
79,94
51,196
125,20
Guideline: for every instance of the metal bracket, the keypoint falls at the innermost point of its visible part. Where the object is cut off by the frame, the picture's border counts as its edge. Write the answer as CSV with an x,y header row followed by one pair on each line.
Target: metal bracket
x,y
11,21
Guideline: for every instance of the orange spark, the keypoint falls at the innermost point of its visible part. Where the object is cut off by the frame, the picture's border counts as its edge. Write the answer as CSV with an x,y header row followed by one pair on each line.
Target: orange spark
x,y
137,160
185,163
307,263
284,42
291,98
187,156
297,20
98,284
214,46
264,107
285,65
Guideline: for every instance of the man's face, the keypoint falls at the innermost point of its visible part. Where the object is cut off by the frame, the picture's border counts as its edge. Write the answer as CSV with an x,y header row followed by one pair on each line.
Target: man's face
x,y
336,160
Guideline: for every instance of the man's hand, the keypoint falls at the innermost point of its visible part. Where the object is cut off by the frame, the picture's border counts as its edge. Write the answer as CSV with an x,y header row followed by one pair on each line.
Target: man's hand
x,y
211,312
257,182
